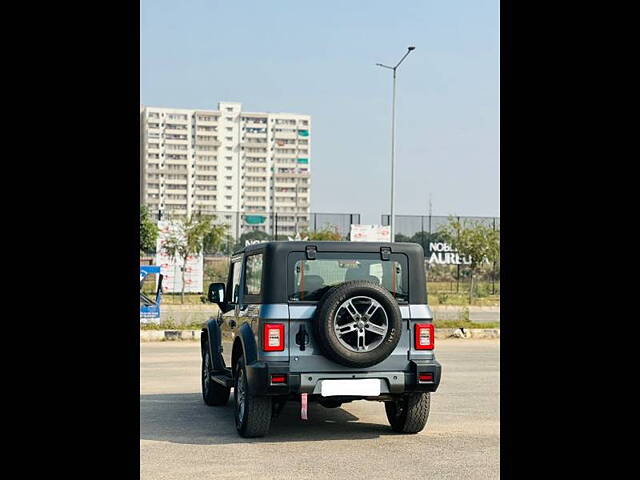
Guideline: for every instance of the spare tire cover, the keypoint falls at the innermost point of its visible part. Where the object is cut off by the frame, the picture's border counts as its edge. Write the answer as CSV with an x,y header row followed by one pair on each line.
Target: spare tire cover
x,y
357,324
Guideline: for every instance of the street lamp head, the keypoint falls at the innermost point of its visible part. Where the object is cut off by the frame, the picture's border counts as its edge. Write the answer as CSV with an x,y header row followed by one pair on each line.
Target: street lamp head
x,y
412,48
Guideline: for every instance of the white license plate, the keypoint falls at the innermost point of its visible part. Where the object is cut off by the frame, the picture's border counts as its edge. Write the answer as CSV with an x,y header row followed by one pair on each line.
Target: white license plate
x,y
362,387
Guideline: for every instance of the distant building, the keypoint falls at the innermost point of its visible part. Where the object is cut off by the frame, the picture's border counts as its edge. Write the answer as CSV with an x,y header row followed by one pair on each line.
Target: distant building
x,y
226,161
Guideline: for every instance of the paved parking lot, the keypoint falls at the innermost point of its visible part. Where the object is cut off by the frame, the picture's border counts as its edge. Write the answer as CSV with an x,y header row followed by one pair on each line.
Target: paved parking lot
x,y
181,438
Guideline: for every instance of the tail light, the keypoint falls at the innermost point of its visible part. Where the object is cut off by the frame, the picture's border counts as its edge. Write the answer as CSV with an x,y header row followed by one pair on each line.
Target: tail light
x,y
425,377
424,336
273,337
278,379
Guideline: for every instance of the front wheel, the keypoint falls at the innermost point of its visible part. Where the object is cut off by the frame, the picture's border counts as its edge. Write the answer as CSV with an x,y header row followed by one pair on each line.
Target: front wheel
x,y
253,413
409,413
213,393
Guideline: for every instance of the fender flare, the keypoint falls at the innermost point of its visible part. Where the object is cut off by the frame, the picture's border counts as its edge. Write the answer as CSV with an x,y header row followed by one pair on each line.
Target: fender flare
x,y
256,370
213,335
248,342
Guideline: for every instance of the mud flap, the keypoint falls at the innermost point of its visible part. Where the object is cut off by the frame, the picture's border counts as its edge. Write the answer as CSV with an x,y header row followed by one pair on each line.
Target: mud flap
x,y
303,406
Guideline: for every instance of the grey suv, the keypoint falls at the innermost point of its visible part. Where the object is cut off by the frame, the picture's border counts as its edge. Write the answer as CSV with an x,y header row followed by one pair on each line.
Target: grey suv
x,y
327,322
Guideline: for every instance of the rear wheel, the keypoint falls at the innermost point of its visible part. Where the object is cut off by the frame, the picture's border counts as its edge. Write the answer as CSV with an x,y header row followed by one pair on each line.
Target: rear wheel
x,y
409,413
253,413
213,393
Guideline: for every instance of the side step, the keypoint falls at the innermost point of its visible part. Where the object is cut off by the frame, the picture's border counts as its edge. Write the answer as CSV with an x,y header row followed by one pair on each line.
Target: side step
x,y
223,378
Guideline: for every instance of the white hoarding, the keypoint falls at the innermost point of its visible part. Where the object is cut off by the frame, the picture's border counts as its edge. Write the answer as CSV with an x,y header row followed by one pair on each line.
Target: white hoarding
x,y
370,233
171,269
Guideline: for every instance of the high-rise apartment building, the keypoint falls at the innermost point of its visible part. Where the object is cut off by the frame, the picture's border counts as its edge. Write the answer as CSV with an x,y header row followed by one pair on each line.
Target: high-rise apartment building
x,y
227,161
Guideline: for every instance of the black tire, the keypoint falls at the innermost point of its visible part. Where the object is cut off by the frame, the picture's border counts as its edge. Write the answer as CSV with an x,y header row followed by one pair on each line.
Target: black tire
x,y
213,393
408,414
254,419
330,404
323,324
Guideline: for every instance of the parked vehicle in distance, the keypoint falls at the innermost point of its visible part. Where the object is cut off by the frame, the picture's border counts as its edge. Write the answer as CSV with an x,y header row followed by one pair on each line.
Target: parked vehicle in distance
x,y
326,322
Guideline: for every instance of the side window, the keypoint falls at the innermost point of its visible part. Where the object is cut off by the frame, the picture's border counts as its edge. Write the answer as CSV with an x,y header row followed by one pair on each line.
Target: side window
x,y
253,275
235,282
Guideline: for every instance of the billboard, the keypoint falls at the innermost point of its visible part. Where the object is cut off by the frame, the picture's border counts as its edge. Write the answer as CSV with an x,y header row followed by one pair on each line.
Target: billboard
x,y
370,233
171,269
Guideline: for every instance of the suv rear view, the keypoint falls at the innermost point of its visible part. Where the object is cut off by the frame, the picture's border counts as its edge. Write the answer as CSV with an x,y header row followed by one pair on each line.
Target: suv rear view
x,y
326,322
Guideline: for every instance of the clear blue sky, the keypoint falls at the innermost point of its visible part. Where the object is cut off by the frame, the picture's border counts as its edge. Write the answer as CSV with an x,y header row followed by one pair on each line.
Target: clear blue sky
x,y
319,58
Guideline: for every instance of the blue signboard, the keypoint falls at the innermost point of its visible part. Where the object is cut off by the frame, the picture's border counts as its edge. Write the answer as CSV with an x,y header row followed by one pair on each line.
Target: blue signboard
x,y
150,309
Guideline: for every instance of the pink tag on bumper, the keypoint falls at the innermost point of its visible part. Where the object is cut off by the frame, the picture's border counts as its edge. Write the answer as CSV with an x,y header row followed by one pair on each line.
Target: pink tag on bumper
x,y
303,406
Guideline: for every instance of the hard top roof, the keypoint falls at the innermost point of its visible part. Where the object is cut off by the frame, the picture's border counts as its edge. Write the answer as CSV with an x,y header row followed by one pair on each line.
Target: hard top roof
x,y
331,246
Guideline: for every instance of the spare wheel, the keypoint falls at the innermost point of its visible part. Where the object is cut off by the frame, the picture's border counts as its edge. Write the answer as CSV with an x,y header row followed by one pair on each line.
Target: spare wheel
x,y
358,324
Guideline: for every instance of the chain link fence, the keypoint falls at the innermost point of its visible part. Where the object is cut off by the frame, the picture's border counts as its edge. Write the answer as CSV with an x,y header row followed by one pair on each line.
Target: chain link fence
x,y
446,277
247,227
448,280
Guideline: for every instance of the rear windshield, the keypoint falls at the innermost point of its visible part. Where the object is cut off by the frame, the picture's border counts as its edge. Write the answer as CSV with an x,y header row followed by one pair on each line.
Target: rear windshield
x,y
308,280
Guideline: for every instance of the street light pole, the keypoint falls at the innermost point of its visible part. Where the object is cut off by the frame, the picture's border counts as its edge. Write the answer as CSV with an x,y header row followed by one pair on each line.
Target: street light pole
x,y
392,218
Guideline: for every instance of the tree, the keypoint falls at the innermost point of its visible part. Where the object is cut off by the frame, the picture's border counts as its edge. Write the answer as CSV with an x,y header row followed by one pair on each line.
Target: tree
x,y
216,239
186,238
326,233
476,242
148,230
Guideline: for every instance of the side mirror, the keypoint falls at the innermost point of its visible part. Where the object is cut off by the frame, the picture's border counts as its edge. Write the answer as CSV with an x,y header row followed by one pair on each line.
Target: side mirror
x,y
216,293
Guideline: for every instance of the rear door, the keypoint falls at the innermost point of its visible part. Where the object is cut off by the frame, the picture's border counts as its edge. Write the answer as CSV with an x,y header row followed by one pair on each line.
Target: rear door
x,y
308,280
233,293
251,291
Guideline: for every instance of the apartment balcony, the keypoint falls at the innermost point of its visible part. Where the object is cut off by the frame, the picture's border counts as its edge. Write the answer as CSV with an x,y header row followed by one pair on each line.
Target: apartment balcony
x,y
255,162
254,208
182,184
213,118
292,175
184,162
285,156
284,135
176,131
254,200
250,144
290,225
177,141
250,135
176,121
256,159
250,124
211,143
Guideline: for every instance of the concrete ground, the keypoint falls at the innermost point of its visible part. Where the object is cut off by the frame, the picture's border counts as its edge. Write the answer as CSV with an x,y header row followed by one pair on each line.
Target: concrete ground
x,y
181,438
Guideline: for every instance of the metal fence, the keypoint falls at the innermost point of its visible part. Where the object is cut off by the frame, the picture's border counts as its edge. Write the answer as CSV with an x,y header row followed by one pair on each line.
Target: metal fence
x,y
243,227
445,278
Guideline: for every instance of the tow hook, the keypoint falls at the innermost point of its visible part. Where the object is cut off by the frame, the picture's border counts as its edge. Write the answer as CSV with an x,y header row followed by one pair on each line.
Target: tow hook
x,y
303,406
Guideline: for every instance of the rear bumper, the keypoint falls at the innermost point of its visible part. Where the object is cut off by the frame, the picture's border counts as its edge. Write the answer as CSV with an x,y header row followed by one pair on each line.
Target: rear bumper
x,y
259,378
